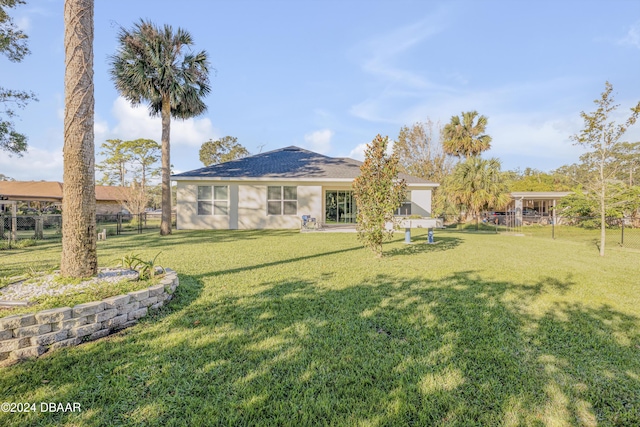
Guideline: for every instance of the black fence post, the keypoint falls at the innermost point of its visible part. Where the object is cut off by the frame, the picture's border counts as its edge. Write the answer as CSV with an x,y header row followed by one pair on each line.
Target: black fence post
x,y
553,229
118,224
622,233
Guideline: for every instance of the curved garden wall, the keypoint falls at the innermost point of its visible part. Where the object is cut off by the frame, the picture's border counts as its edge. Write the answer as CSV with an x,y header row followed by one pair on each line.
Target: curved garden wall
x,y
31,335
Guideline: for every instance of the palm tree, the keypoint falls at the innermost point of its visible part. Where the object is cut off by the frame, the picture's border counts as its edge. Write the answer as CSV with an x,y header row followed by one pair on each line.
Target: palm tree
x,y
79,257
463,138
153,65
477,184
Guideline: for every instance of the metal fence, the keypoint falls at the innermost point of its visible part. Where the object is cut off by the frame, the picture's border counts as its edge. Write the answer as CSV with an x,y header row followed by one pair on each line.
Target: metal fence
x,y
624,232
49,227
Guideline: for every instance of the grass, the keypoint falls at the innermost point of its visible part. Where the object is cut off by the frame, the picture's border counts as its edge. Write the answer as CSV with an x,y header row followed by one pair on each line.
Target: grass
x,y
285,328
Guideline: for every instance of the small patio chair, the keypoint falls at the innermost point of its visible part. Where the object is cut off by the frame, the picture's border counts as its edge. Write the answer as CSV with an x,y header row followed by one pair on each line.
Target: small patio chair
x,y
309,223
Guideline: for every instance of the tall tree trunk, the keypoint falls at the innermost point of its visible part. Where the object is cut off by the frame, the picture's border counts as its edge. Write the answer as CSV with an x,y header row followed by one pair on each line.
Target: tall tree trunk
x,y
603,199
79,258
123,173
165,224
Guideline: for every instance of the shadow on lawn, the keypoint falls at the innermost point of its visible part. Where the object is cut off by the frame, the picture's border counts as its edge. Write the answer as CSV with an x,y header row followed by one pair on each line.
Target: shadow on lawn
x,y
459,351
195,237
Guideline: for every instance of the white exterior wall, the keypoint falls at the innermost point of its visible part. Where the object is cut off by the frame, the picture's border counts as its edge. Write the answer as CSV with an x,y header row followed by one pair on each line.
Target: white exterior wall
x,y
421,202
247,206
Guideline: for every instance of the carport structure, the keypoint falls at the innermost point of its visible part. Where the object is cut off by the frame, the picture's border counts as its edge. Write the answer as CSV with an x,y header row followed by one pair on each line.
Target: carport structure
x,y
543,203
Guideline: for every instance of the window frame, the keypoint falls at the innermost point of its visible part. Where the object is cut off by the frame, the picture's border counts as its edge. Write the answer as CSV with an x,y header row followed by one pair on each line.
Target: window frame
x,y
281,202
216,204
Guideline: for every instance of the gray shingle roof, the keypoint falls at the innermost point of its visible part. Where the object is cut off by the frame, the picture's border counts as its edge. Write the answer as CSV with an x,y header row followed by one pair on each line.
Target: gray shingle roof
x,y
286,163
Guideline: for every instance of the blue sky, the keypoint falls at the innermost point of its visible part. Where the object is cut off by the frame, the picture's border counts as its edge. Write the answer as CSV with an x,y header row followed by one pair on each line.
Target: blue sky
x,y
329,75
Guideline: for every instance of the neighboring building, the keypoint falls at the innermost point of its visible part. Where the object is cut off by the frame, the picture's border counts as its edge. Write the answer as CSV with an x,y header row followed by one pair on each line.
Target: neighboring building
x,y
109,199
541,202
275,189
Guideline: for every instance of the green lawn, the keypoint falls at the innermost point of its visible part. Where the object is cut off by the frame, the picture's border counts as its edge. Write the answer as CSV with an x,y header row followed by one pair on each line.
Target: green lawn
x,y
285,328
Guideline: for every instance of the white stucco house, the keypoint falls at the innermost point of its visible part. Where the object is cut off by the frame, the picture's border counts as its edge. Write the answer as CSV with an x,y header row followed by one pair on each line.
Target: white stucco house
x,y
275,189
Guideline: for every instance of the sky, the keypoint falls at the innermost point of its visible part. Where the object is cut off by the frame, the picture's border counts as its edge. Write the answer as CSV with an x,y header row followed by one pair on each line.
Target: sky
x,y
329,75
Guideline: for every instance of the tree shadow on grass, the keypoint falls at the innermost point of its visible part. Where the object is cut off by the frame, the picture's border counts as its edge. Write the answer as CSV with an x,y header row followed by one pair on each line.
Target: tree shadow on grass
x,y
421,245
457,351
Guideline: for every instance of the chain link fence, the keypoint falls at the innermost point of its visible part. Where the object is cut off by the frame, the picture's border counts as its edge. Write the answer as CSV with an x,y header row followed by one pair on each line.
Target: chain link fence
x,y
624,232
14,229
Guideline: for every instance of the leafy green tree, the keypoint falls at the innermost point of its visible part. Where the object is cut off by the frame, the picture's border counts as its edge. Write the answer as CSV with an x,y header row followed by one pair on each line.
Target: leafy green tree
x,y
465,138
378,192
628,155
144,155
221,150
535,180
421,154
600,136
155,65
114,166
477,184
13,44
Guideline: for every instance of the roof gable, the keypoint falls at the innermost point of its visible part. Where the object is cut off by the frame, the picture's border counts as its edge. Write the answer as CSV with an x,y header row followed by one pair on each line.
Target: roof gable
x,y
285,163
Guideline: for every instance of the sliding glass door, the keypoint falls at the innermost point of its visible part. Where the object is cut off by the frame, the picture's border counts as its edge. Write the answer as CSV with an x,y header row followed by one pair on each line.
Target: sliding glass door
x,y
340,207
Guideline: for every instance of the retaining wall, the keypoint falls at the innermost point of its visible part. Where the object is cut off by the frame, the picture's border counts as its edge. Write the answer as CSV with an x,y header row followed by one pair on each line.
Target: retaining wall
x,y
31,335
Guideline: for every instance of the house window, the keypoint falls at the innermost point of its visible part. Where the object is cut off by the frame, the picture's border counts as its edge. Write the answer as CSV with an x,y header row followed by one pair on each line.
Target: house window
x,y
282,200
405,207
213,200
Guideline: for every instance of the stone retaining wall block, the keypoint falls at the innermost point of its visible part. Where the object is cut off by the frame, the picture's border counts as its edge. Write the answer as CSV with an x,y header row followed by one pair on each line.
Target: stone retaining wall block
x,y
155,290
137,314
102,316
149,301
116,321
88,308
54,315
65,343
68,324
50,338
85,330
116,302
99,334
17,321
139,295
31,331
9,345
29,352
128,308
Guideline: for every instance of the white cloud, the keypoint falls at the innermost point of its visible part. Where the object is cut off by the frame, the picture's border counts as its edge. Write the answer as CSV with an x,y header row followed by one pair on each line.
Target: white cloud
x,y
135,122
381,53
632,37
358,152
319,140
35,165
526,140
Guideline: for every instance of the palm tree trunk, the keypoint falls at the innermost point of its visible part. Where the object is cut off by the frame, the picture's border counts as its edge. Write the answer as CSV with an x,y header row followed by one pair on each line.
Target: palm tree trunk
x,y
79,257
165,224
